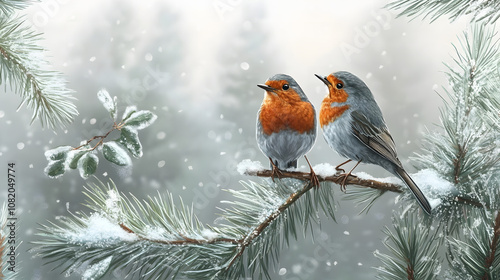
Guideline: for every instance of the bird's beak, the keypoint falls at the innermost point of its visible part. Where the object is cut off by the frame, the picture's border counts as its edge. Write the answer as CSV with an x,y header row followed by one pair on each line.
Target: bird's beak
x,y
266,87
323,79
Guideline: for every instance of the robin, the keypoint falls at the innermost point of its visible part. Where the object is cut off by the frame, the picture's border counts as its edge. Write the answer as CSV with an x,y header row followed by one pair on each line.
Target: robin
x,y
353,125
286,124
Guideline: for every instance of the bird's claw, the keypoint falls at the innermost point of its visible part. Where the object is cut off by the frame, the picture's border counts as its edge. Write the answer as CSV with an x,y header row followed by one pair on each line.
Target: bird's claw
x,y
276,173
341,170
343,184
314,180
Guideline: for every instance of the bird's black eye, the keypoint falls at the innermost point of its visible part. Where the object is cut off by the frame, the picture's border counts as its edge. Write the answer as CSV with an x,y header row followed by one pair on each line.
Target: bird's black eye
x,y
285,86
339,85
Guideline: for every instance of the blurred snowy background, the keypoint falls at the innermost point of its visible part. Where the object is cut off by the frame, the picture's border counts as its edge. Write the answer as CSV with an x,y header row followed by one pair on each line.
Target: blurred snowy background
x,y
196,65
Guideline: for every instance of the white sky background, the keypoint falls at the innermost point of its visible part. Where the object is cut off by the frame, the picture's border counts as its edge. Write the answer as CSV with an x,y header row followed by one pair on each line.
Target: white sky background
x,y
113,44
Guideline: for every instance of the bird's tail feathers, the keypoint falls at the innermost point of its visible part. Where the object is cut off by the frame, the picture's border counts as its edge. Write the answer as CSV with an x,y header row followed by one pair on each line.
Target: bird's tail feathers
x,y
422,200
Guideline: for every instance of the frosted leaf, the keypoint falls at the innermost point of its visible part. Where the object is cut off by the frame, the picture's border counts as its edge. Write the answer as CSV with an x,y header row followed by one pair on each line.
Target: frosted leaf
x,y
108,102
128,111
87,165
140,120
248,166
130,140
97,270
114,153
74,156
55,169
58,153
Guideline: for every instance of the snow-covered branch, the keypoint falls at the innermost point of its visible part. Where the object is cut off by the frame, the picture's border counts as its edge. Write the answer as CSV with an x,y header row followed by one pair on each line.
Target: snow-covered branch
x,y
166,237
325,173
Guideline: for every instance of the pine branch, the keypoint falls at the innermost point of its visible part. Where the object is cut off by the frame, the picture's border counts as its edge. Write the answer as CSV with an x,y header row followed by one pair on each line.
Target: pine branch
x,y
467,150
7,7
358,182
466,154
493,246
414,250
476,253
487,11
127,234
22,68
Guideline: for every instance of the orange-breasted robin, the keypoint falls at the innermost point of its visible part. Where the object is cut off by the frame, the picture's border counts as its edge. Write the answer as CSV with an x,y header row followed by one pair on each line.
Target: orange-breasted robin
x,y
353,125
286,124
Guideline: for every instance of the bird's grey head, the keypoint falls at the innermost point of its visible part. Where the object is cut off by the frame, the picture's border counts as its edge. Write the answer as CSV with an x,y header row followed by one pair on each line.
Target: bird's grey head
x,y
284,84
352,85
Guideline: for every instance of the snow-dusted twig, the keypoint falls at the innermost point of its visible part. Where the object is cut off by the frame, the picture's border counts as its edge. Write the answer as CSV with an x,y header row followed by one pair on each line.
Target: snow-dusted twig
x,y
355,181
242,242
493,245
337,179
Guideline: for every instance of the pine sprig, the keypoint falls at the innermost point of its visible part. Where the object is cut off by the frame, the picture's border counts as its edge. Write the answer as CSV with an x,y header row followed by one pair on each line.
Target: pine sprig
x,y
128,235
487,11
467,150
414,250
7,7
477,253
466,155
23,68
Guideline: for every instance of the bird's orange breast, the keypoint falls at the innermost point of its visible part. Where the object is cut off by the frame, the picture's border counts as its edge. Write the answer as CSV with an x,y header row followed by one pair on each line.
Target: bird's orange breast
x,y
328,113
276,115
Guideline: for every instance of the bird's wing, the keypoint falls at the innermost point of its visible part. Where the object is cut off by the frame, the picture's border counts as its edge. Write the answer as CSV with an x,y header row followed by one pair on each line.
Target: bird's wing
x,y
376,138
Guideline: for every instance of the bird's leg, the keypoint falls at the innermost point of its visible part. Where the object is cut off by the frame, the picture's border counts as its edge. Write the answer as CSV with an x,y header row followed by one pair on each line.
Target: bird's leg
x,y
276,170
342,185
314,178
340,169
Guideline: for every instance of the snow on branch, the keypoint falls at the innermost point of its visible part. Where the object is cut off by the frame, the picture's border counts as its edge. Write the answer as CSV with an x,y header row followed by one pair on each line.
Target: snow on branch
x,y
160,237
465,154
324,173
433,185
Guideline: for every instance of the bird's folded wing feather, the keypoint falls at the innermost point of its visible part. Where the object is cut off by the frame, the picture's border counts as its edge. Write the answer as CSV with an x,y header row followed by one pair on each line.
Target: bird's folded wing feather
x,y
376,138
